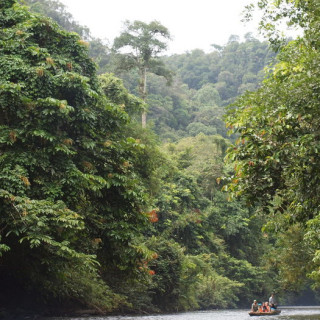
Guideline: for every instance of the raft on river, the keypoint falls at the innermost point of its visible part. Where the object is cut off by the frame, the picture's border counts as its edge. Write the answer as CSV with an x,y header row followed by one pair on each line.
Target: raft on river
x,y
270,313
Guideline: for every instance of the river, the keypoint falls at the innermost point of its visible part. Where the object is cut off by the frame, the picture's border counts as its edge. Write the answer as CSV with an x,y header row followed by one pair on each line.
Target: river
x,y
287,313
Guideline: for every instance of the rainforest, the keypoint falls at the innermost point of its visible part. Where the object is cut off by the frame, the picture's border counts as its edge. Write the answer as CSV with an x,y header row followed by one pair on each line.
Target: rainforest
x,y
137,182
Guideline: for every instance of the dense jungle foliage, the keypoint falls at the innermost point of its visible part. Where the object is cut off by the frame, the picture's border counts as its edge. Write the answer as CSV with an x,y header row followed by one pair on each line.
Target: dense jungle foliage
x,y
203,85
97,212
276,155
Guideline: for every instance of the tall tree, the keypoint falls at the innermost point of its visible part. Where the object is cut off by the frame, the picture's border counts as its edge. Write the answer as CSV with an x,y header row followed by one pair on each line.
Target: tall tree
x,y
138,47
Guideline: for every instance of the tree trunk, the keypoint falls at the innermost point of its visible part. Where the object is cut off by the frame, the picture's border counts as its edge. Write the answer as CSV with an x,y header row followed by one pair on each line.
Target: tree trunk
x,y
144,119
144,95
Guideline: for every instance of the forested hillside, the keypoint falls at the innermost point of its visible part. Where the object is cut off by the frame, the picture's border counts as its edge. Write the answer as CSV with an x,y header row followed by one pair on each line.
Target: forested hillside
x,y
204,84
99,213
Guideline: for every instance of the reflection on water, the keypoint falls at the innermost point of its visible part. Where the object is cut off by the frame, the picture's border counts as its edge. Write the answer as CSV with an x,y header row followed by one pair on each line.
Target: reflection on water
x,y
287,313
300,313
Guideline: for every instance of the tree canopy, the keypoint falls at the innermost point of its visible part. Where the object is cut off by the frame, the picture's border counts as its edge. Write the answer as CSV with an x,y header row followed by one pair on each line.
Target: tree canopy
x,y
276,155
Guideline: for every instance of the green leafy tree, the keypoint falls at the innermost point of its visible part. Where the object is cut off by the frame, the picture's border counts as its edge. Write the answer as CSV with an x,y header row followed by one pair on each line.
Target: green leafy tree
x,y
138,48
115,91
72,194
276,156
56,10
208,96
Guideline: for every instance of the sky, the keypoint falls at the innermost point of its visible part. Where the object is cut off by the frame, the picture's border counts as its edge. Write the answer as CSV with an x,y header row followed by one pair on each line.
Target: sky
x,y
193,24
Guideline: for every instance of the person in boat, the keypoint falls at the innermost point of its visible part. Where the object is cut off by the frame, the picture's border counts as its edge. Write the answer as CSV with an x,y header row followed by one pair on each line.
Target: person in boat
x,y
266,307
272,302
255,306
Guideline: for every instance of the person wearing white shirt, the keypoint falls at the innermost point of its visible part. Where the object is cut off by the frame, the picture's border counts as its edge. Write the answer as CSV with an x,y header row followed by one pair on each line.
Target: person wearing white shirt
x,y
272,302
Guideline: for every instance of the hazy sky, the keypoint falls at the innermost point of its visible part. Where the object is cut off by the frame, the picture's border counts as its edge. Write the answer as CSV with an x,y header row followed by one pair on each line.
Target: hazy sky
x,y
192,23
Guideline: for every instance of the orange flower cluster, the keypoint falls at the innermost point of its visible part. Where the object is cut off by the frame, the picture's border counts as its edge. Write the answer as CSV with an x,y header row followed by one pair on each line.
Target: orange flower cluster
x,y
145,268
153,216
144,264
